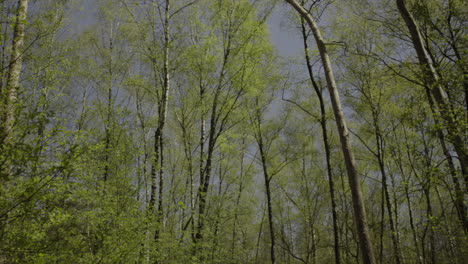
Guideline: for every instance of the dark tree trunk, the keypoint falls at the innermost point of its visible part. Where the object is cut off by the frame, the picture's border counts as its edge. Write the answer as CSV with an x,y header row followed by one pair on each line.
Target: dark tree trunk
x,y
268,194
326,144
157,168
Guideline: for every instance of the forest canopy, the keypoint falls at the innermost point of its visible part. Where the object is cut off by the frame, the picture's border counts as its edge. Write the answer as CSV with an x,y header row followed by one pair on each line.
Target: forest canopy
x,y
179,131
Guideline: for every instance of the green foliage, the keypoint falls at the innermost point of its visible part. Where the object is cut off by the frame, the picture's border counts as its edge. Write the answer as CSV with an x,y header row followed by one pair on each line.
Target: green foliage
x,y
78,179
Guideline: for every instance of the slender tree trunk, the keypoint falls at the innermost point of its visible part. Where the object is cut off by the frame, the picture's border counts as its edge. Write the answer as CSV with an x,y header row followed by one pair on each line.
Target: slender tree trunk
x,y
238,199
142,179
143,171
206,174
214,131
442,204
268,194
353,177
198,234
162,117
420,255
386,194
259,236
215,243
397,215
3,56
10,95
429,226
187,143
326,144
109,109
158,160
382,225
413,228
257,122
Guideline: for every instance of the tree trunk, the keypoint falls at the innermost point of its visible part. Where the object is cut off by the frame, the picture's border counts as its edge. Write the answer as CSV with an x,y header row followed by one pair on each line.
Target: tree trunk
x,y
10,96
268,192
206,172
326,144
198,234
242,175
163,115
382,225
158,160
430,225
259,236
214,132
440,96
386,194
108,125
459,195
353,176
420,255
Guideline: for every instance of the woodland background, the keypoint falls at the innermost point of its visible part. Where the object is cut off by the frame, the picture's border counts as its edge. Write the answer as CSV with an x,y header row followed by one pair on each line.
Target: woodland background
x,y
173,131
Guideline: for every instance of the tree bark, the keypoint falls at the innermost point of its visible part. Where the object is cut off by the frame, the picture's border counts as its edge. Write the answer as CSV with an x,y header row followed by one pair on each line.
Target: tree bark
x,y
439,95
206,171
158,160
242,176
419,255
459,195
326,144
10,97
108,125
267,178
214,131
353,176
386,194
163,115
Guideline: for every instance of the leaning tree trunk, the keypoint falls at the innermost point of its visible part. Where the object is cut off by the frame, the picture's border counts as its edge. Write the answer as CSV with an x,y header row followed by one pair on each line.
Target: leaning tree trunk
x,y
10,96
439,95
459,194
353,176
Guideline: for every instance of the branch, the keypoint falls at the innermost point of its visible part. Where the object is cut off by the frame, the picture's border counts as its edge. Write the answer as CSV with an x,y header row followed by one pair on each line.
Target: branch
x,y
182,8
297,104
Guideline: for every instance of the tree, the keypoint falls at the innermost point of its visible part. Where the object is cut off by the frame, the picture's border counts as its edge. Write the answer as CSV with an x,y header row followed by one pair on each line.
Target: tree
x,y
438,94
172,131
326,142
10,95
353,176
238,38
